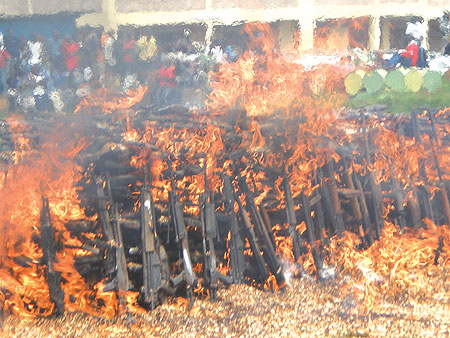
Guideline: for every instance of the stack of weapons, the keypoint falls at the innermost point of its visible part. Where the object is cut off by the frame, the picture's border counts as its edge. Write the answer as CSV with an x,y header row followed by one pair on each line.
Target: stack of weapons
x,y
155,247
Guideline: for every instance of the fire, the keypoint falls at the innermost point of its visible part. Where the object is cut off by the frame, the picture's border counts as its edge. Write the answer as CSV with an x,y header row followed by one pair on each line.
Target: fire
x,y
108,102
47,169
288,129
340,34
398,262
249,82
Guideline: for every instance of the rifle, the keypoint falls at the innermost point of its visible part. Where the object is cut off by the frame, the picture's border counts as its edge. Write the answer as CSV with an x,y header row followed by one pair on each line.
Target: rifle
x,y
316,202
209,232
359,205
49,257
442,186
292,220
311,236
181,235
424,193
236,245
105,220
152,279
123,283
374,189
250,235
268,249
336,219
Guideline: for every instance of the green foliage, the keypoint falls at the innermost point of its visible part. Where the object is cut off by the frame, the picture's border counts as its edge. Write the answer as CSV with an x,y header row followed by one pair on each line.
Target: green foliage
x,y
395,80
353,83
432,81
372,82
406,101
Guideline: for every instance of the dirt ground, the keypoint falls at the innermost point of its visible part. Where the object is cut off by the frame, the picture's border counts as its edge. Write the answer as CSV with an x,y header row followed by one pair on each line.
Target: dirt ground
x,y
306,308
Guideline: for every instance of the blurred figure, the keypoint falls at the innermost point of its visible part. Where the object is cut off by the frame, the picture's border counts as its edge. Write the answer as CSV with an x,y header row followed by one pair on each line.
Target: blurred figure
x,y
414,55
69,50
128,46
166,93
12,45
54,46
4,56
108,47
35,50
146,47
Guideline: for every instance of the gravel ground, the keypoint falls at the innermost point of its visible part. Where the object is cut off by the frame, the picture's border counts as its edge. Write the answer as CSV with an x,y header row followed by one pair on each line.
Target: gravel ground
x,y
306,308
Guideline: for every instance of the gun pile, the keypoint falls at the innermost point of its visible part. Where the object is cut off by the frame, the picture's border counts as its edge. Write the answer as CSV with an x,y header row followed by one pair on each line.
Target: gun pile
x,y
184,204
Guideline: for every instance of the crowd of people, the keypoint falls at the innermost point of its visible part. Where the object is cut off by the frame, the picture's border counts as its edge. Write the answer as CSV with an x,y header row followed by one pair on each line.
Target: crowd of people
x,y
54,73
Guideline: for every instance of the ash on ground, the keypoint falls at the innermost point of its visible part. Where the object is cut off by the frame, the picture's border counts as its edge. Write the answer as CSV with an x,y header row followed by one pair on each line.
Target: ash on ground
x,y
306,308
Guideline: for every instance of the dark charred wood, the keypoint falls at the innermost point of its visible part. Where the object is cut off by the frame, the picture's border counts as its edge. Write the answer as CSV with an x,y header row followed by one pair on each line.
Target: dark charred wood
x,y
93,250
125,180
89,259
134,267
190,169
110,151
191,222
124,216
132,224
23,261
80,226
113,167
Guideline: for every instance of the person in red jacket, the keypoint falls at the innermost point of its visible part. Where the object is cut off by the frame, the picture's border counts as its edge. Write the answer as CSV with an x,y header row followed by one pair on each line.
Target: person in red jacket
x,y
166,76
411,52
69,50
167,92
128,49
128,54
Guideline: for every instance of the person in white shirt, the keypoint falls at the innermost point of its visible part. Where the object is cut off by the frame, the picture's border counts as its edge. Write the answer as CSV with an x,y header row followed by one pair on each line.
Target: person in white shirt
x,y
35,49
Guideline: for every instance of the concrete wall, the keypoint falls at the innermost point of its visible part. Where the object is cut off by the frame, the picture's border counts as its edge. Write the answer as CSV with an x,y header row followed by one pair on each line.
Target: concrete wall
x,y
113,13
11,8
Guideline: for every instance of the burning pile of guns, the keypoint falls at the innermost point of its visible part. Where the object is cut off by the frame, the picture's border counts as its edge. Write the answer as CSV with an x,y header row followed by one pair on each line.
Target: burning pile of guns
x,y
160,249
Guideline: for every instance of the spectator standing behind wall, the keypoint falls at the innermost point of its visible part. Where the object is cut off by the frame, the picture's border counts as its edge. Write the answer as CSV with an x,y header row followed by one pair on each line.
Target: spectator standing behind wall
x,y
35,51
108,47
12,44
54,46
4,56
128,47
146,48
69,50
166,93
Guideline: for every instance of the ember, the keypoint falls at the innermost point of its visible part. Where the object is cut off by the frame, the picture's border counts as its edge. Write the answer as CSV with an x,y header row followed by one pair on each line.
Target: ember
x,y
123,206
